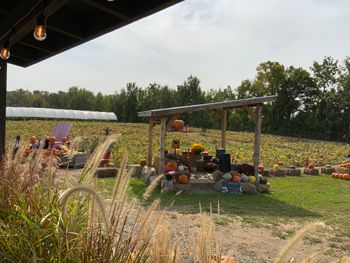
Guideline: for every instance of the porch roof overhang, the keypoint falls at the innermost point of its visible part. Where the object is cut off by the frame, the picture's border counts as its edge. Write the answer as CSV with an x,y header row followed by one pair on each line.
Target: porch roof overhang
x,y
250,102
69,23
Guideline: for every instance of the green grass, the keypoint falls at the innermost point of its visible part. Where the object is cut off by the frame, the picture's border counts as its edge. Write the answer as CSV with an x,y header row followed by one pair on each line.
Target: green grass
x,y
292,199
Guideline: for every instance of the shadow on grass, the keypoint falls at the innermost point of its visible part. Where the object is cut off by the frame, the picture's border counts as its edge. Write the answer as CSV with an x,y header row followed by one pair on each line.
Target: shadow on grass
x,y
241,205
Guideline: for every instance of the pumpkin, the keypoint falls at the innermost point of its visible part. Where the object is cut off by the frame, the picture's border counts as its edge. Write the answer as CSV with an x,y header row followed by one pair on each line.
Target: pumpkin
x,y
227,176
275,166
171,166
236,179
183,179
251,179
244,178
179,124
261,167
52,139
64,139
32,139
142,162
311,166
346,177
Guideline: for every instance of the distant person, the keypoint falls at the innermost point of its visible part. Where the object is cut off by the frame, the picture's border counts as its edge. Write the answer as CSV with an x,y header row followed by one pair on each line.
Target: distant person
x,y
107,131
16,144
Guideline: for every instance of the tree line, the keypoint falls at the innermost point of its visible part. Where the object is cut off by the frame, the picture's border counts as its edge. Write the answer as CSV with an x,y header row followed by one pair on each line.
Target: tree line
x,y
312,102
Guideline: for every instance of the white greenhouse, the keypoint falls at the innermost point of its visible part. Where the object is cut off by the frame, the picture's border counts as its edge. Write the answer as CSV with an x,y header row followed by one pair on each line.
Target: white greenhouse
x,y
46,113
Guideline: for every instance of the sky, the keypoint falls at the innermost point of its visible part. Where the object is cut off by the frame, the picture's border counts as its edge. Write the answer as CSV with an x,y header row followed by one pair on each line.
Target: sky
x,y
219,41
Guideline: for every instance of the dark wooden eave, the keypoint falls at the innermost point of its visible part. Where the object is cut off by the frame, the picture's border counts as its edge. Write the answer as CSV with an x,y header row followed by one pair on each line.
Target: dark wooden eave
x,y
69,23
208,106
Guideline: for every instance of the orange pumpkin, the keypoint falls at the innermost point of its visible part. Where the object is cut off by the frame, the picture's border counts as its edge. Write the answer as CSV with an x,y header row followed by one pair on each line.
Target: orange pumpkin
x,y
333,175
183,179
52,139
142,162
346,176
171,166
32,139
311,166
64,139
236,179
179,124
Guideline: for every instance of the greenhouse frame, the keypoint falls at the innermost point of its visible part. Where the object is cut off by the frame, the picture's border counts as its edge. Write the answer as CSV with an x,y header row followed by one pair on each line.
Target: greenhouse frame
x,y
48,113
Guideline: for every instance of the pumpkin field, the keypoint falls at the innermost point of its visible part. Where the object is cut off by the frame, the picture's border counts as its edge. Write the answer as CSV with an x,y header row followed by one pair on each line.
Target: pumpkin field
x,y
291,203
289,151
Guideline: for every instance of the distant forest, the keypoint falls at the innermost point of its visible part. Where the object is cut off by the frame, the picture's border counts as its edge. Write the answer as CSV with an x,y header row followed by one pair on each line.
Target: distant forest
x,y
312,103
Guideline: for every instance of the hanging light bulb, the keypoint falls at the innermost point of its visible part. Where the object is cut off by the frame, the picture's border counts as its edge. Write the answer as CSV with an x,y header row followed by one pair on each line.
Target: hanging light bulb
x,y
5,51
40,28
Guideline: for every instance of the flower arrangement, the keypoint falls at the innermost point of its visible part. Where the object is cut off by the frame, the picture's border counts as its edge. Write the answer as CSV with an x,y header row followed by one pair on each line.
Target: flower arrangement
x,y
197,148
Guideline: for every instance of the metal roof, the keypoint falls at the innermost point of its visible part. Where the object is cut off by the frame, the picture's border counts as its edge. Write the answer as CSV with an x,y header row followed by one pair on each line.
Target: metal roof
x,y
47,113
69,23
208,106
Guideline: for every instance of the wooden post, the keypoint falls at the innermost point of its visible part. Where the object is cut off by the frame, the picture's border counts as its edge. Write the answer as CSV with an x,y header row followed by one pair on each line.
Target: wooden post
x,y
3,80
223,128
257,142
150,142
162,144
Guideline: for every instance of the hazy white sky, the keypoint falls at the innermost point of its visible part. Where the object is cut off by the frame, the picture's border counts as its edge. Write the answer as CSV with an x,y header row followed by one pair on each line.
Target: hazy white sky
x,y
219,41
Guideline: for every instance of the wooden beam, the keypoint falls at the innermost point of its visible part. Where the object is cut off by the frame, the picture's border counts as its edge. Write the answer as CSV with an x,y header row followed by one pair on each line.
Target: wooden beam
x,y
65,32
257,142
251,102
162,145
105,8
223,128
150,142
35,47
3,87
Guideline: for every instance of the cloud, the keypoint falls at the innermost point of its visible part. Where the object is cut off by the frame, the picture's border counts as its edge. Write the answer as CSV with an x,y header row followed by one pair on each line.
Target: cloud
x,y
222,42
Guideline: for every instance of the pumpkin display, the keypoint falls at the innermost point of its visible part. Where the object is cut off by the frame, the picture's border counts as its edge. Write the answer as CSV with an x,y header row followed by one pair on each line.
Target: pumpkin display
x,y
251,179
178,124
142,162
183,179
236,179
171,166
311,166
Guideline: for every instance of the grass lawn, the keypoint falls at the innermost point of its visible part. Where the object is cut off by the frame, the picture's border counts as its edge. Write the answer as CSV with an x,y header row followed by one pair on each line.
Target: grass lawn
x,y
292,199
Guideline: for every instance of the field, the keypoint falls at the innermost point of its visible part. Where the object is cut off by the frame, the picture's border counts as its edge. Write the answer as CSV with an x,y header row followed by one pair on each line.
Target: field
x,y
239,144
293,201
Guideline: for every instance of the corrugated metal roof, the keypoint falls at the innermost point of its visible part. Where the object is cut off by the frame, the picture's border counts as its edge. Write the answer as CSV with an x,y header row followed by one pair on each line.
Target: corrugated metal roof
x,y
47,113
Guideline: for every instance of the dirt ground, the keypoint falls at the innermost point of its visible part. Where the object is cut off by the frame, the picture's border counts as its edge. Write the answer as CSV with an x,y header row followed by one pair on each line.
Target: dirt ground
x,y
241,240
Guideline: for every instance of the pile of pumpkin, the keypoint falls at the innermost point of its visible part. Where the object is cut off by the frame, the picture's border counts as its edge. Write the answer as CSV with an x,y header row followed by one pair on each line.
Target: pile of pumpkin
x,y
176,173
345,164
341,176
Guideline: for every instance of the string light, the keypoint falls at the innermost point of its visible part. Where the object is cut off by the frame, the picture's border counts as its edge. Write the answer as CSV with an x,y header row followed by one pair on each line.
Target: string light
x,y
40,28
5,51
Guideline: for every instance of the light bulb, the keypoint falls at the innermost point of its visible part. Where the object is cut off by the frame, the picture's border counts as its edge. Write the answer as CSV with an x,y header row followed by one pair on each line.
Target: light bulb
x,y
40,29
5,51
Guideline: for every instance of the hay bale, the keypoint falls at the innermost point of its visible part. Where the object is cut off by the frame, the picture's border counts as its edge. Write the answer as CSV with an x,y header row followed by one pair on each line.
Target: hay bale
x,y
248,188
135,170
266,172
327,170
293,172
106,172
280,172
263,188
217,175
313,171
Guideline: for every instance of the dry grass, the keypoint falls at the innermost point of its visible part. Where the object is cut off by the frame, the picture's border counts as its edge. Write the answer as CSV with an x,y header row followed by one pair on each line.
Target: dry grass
x,y
41,221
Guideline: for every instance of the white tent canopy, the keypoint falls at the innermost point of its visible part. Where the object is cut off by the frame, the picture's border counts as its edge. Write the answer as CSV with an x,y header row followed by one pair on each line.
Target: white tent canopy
x,y
46,113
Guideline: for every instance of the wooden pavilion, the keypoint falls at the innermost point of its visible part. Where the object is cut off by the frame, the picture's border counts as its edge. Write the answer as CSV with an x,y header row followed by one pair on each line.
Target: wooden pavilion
x,y
68,23
252,105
